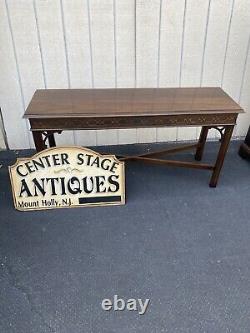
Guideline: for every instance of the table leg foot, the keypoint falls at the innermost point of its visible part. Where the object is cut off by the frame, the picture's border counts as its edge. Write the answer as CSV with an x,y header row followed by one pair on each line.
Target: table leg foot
x,y
225,140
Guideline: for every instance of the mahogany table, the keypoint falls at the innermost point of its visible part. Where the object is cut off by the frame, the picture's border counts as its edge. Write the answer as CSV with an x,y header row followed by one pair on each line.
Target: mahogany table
x,y
55,110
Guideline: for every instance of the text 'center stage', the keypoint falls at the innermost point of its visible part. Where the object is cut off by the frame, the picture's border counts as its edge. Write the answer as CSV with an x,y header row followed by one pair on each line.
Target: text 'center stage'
x,y
67,177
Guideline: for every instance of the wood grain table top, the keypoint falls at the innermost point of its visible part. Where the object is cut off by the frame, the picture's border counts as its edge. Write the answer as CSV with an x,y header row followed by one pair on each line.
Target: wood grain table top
x,y
128,102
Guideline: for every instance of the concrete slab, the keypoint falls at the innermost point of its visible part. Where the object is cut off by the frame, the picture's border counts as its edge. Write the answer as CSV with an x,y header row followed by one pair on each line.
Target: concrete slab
x,y
176,241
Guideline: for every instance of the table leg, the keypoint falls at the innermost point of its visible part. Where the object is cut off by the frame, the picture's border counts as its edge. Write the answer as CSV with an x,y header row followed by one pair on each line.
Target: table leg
x,y
38,140
201,143
221,155
51,138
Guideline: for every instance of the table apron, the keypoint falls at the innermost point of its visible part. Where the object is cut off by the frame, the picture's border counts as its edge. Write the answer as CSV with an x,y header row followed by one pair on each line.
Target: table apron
x,y
95,123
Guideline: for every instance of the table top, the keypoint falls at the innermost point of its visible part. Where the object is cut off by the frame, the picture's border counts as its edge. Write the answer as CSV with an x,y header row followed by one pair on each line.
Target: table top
x,y
126,102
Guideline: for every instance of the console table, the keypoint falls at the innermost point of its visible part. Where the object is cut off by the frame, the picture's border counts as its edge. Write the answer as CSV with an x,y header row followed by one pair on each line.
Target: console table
x,y
55,110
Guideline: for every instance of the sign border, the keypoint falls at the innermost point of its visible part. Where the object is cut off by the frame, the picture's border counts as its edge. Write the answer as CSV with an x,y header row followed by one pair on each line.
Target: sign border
x,y
101,204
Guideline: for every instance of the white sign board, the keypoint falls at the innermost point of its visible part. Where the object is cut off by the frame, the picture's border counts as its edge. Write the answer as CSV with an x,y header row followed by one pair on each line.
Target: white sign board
x,y
67,177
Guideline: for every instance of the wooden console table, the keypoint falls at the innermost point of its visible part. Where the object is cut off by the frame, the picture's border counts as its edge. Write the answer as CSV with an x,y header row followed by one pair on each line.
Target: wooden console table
x,y
55,110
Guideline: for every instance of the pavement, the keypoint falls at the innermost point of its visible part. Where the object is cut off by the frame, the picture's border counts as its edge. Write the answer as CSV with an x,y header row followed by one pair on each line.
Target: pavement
x,y
177,242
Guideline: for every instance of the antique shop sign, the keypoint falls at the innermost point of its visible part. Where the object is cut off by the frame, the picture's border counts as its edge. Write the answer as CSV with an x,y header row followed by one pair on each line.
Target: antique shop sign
x,y
67,177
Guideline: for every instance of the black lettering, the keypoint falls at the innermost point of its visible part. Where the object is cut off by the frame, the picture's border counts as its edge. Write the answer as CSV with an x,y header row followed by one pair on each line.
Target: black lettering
x,y
80,158
19,172
62,179
38,186
29,167
65,157
52,182
56,159
47,160
85,184
107,164
113,167
73,181
24,189
112,181
96,162
99,183
89,157
39,164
